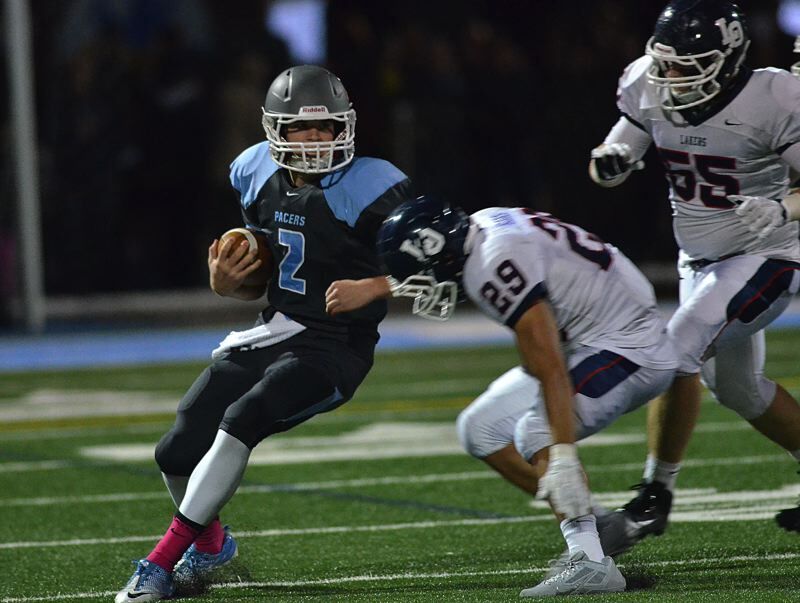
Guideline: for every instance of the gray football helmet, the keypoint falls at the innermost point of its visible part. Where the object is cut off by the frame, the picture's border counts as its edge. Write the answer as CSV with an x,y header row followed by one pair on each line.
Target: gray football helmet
x,y
306,93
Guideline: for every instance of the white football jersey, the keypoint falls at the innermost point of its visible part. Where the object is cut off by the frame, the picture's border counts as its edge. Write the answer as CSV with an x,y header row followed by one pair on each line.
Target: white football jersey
x,y
518,257
735,151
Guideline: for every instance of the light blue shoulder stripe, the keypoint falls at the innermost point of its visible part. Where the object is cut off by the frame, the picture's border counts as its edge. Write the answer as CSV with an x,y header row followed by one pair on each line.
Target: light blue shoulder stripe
x,y
250,170
350,191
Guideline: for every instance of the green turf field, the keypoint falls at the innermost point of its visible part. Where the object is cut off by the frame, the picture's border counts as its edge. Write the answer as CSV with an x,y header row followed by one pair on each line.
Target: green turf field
x,y
375,501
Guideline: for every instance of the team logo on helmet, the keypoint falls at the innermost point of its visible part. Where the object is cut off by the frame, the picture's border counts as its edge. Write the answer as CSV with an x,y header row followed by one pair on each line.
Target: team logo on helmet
x,y
427,243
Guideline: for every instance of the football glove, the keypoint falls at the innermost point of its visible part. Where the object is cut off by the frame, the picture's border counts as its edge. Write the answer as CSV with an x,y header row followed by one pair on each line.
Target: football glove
x,y
613,160
564,483
761,215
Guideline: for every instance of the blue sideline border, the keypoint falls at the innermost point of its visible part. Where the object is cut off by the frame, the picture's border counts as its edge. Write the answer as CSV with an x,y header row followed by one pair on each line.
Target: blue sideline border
x,y
154,346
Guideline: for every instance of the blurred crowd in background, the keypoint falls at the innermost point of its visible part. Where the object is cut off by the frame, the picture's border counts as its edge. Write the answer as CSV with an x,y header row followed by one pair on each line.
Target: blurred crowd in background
x,y
142,105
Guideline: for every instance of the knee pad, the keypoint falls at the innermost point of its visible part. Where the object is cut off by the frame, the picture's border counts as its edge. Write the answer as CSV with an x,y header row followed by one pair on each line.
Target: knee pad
x,y
480,432
531,434
178,454
747,394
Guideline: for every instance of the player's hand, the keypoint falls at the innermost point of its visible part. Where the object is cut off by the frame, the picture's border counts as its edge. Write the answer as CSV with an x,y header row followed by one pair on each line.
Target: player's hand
x,y
614,160
229,265
564,483
348,295
761,215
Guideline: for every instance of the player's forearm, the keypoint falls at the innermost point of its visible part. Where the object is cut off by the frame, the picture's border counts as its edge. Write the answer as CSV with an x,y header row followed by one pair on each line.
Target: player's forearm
x,y
380,287
540,350
557,393
243,292
348,295
607,170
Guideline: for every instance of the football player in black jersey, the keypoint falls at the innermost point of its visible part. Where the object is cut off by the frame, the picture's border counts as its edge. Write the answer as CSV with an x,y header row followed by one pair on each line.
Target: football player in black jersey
x,y
320,207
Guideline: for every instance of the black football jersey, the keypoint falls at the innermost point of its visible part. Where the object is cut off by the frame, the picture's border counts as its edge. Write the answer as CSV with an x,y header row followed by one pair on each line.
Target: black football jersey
x,y
319,233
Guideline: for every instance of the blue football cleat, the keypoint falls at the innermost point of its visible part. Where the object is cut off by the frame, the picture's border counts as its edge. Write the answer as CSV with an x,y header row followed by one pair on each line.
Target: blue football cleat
x,y
196,567
150,582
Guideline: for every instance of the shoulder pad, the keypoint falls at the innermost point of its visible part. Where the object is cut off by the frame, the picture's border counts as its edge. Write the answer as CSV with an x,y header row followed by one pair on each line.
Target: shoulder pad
x,y
350,190
250,170
632,86
783,87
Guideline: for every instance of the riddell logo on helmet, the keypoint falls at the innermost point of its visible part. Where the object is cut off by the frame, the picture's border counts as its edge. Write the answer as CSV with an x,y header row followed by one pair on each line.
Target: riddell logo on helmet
x,y
314,109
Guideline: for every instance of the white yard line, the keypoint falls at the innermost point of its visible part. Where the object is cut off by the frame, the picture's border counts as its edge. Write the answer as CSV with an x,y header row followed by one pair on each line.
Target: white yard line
x,y
693,505
366,482
405,576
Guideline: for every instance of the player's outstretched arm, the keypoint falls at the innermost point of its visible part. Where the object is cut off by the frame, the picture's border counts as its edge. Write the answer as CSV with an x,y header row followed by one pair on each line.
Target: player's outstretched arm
x,y
348,295
564,482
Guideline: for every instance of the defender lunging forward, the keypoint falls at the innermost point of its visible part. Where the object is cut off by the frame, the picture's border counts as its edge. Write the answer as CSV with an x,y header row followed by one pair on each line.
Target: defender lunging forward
x,y
589,336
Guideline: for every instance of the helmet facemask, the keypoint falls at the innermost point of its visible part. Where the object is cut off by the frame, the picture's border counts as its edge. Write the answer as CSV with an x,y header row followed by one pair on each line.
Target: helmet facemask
x,y
432,300
422,244
702,79
311,157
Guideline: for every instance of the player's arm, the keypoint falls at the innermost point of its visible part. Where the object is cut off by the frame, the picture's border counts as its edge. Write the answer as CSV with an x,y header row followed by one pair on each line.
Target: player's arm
x,y
564,482
348,294
621,153
540,350
229,266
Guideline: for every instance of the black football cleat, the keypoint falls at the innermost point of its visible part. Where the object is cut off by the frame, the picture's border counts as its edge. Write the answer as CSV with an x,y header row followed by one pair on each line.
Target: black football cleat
x,y
644,515
647,512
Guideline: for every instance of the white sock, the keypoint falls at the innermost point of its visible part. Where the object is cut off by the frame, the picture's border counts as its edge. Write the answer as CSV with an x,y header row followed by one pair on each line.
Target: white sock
x,y
215,479
661,471
581,535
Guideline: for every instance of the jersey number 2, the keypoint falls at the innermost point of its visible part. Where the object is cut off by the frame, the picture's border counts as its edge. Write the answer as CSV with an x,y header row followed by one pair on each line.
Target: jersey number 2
x,y
585,244
295,242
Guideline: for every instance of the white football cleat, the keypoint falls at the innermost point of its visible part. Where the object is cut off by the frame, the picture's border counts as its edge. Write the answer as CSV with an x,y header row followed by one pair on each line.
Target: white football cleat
x,y
580,576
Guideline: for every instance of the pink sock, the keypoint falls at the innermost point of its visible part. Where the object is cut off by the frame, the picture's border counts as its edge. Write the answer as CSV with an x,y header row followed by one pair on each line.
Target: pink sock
x,y
173,544
210,539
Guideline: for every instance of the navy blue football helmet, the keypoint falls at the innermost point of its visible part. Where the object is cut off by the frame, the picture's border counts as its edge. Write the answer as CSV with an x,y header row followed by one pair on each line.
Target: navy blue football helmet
x,y
698,47
421,244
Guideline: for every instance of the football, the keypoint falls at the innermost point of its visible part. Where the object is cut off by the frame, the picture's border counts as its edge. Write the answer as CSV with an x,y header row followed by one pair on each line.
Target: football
x,y
257,240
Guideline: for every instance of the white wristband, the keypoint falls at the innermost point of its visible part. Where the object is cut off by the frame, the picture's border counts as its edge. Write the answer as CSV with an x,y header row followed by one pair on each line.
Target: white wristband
x,y
563,451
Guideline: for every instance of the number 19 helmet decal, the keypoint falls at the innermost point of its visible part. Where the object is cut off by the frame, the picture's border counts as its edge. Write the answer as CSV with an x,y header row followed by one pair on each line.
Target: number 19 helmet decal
x,y
697,48
796,66
309,93
422,245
